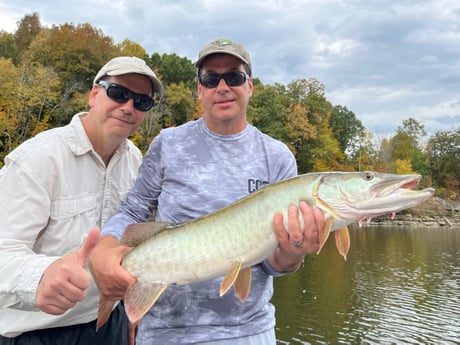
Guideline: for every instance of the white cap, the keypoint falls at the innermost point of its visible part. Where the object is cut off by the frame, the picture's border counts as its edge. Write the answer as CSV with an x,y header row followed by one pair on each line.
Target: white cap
x,y
129,64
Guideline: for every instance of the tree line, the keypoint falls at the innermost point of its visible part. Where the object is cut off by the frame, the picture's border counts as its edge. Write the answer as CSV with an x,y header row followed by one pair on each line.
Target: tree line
x,y
47,72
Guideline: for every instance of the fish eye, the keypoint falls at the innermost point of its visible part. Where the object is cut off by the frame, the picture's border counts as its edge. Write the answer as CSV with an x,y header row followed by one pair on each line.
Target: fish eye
x,y
368,176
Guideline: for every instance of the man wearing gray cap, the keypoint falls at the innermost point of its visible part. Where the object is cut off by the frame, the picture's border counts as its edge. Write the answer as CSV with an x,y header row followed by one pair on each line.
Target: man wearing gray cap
x,y
193,170
54,188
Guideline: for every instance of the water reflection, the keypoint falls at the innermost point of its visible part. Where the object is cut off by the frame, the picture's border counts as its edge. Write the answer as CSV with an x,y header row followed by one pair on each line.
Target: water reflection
x,y
398,286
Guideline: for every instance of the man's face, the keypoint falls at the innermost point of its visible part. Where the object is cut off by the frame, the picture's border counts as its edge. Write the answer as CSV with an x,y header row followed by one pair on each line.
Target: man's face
x,y
224,104
119,119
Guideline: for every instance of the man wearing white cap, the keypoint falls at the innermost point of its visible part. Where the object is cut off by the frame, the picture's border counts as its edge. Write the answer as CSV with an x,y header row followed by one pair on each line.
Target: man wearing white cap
x,y
53,189
193,170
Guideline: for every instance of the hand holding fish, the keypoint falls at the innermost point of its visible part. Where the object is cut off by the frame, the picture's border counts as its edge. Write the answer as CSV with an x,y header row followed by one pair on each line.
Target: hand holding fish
x,y
65,281
111,278
296,242
228,242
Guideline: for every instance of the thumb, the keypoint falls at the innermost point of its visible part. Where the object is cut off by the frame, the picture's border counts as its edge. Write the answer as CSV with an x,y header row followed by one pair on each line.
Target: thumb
x,y
89,244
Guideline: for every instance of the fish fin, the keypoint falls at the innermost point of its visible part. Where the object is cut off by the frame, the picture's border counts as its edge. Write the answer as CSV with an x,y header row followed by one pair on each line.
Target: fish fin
x,y
136,233
342,241
242,285
230,277
104,310
324,233
140,297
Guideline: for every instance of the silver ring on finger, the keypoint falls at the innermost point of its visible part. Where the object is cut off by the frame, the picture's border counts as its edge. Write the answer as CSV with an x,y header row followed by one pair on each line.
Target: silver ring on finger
x,y
297,244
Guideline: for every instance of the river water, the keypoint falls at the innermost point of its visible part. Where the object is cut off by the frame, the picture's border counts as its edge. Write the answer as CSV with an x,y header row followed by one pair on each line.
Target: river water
x,y
399,285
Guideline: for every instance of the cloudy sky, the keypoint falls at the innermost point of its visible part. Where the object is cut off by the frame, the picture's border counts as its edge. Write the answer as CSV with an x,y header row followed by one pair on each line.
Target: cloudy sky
x,y
384,60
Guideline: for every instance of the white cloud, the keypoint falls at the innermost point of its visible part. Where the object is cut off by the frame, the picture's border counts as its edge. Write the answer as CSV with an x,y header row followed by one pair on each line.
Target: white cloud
x,y
383,60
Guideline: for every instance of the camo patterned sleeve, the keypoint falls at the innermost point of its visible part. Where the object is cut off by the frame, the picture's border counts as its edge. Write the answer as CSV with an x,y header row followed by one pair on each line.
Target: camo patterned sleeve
x,y
189,172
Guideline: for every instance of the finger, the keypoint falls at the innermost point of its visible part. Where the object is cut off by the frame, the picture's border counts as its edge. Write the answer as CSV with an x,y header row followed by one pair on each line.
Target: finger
x,y
53,309
278,222
57,303
89,244
79,280
294,227
306,210
319,219
67,298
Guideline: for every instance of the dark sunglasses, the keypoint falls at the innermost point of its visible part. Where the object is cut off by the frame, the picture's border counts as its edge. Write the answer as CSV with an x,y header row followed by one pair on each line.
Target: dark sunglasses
x,y
211,80
121,94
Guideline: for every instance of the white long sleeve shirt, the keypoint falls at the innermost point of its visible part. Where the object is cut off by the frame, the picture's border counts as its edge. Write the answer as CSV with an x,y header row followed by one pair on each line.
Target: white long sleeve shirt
x,y
53,189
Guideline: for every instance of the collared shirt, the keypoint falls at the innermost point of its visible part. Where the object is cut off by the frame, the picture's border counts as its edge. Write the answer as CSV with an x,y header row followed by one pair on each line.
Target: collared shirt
x,y
53,189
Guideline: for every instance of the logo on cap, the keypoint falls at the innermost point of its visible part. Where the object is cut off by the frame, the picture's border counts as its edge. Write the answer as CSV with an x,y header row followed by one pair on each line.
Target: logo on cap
x,y
222,42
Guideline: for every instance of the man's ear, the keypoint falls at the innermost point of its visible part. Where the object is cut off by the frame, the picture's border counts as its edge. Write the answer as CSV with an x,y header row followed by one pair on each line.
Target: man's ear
x,y
92,95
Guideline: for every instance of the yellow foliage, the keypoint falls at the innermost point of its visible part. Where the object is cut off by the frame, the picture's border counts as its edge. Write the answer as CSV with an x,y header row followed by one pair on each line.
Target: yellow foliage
x,y
198,111
403,166
42,125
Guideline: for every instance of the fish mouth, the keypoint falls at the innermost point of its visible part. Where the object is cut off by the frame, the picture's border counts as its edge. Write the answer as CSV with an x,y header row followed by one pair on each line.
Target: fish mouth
x,y
392,195
399,183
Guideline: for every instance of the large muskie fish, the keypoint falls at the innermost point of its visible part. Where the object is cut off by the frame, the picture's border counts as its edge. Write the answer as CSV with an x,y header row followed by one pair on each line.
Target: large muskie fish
x,y
229,241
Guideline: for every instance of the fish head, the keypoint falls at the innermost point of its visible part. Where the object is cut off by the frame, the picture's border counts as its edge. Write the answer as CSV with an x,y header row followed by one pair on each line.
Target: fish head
x,y
357,196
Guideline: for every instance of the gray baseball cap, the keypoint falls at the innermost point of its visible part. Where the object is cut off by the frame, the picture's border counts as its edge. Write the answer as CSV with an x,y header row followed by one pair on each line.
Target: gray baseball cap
x,y
129,64
224,46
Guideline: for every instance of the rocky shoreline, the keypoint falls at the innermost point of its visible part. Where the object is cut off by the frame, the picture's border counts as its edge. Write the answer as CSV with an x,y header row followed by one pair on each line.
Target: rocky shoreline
x,y
416,220
434,212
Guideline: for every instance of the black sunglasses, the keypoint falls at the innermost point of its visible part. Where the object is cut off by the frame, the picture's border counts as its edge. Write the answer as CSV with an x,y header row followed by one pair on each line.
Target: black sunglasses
x,y
211,80
121,94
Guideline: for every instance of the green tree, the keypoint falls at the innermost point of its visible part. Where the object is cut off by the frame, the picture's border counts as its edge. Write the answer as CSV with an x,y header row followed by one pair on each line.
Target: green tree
x,y
365,155
180,104
173,69
414,129
8,49
444,155
405,146
402,146
347,129
267,113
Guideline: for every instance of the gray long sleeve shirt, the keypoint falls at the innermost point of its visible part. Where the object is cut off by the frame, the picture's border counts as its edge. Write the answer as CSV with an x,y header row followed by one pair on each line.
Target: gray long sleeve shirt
x,y
189,172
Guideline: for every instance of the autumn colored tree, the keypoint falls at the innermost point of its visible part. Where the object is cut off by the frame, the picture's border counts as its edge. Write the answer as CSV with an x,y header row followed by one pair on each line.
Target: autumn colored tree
x,y
321,151
76,53
405,151
46,73
130,48
9,81
37,94
28,27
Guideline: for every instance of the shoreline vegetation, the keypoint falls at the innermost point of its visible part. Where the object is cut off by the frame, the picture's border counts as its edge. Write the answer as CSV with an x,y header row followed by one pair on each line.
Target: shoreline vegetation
x,y
434,212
